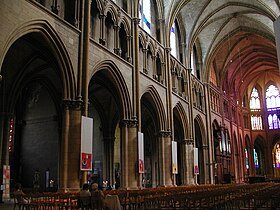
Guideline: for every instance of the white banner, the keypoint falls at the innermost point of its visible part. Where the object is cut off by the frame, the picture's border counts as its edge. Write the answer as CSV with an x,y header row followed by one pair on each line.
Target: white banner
x,y
196,168
141,167
174,158
86,143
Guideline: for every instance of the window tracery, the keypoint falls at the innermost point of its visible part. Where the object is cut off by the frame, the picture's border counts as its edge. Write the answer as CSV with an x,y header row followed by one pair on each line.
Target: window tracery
x,y
255,107
273,107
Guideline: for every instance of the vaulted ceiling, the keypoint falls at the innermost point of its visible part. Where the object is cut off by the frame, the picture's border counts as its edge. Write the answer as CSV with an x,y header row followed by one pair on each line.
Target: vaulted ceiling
x,y
236,38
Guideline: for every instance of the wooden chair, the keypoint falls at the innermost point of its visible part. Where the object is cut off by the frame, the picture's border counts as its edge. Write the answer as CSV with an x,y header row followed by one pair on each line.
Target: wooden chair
x,y
15,199
85,202
18,201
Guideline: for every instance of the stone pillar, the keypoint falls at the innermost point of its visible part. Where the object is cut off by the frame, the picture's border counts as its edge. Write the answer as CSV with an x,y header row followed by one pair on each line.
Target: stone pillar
x,y
86,55
209,134
71,146
108,170
4,140
2,124
129,44
205,149
136,73
154,67
188,161
165,159
129,158
162,76
64,147
183,47
117,49
77,14
162,29
145,54
102,26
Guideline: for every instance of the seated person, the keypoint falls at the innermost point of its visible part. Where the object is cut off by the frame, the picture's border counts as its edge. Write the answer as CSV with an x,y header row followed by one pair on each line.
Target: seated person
x,y
20,195
97,197
84,200
110,202
85,191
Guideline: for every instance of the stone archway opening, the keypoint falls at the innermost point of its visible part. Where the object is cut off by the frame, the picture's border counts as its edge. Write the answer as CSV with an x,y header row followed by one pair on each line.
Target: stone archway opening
x,y
32,92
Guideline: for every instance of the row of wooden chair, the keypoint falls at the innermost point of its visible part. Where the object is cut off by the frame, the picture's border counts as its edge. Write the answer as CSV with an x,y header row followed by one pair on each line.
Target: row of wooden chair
x,y
230,196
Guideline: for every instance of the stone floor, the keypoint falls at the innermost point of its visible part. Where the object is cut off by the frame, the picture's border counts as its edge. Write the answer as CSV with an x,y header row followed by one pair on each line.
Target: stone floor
x,y
7,205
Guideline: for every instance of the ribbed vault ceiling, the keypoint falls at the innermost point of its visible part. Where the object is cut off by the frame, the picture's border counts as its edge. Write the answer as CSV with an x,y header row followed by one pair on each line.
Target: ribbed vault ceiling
x,y
236,37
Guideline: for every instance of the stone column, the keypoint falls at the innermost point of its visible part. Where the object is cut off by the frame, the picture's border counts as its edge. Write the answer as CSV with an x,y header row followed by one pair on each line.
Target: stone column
x,y
64,147
206,164
117,49
71,153
165,159
129,44
162,29
86,55
2,124
109,159
136,73
145,54
4,143
188,161
76,13
162,76
209,134
129,158
102,26
154,67
183,47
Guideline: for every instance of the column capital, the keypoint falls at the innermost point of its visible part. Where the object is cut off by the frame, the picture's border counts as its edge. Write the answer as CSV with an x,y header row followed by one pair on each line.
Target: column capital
x,y
163,133
205,147
168,49
101,15
189,70
188,141
130,123
183,44
136,20
73,104
116,27
161,21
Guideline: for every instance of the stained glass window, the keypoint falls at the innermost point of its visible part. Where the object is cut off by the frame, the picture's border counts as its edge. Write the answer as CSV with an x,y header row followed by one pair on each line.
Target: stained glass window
x,y
256,122
246,159
272,97
255,106
173,40
277,156
273,106
145,15
256,159
255,99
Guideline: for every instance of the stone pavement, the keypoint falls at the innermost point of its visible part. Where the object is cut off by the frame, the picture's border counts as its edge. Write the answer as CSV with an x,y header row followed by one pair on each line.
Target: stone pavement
x,y
7,205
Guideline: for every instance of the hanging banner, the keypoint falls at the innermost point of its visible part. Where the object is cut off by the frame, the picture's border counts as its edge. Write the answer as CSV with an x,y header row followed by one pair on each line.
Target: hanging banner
x,y
141,168
174,158
6,182
86,143
196,168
